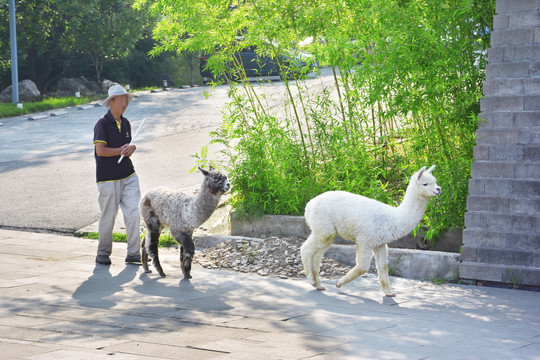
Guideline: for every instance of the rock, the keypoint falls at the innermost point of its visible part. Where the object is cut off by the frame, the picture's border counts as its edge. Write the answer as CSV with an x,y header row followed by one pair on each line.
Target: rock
x,y
105,85
80,84
28,91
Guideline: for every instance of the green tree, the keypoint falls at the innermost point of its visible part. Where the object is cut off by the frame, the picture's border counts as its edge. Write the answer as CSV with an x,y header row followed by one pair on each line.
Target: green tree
x,y
104,30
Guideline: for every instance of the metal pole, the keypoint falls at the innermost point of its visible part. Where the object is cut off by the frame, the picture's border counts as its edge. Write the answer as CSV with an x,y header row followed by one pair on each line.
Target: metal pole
x,y
13,40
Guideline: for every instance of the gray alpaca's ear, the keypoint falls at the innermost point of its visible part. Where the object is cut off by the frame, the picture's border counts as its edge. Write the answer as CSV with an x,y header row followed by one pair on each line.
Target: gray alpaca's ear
x,y
430,169
421,172
211,168
204,172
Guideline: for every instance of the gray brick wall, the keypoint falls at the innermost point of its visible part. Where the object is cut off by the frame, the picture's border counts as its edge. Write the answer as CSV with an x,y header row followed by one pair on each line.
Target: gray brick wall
x,y
501,240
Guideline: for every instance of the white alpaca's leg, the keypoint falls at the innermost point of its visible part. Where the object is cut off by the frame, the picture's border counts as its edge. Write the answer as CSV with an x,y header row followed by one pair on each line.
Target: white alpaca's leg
x,y
363,260
312,252
381,260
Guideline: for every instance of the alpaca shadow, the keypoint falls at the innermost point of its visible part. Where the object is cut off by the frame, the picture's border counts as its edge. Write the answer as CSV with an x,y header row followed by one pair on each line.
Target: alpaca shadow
x,y
341,300
185,295
95,291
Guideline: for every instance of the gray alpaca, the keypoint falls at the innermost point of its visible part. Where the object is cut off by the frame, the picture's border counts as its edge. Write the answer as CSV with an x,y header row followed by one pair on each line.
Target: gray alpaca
x,y
181,213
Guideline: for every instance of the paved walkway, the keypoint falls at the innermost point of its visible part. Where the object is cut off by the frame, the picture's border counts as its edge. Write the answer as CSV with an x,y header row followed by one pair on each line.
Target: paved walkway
x,y
55,303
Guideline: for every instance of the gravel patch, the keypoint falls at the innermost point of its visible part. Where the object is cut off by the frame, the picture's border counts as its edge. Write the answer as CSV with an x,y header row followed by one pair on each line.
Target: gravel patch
x,y
267,257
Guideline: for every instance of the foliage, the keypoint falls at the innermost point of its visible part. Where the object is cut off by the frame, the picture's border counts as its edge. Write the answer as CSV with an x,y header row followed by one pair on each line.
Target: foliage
x,y
406,82
165,240
92,38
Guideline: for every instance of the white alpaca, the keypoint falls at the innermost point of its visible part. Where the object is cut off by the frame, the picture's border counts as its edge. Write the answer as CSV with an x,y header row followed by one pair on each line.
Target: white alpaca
x,y
369,223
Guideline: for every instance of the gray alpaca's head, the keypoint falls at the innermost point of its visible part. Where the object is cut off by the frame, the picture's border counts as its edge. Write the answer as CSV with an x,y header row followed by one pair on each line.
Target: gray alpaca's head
x,y
216,182
425,183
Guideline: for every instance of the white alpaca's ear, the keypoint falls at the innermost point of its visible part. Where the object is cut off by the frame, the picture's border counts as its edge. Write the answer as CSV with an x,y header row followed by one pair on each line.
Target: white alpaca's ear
x,y
430,169
204,172
421,172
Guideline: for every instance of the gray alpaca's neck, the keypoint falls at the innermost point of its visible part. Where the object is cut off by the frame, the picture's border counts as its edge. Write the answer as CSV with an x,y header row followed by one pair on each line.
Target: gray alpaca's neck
x,y
411,211
203,205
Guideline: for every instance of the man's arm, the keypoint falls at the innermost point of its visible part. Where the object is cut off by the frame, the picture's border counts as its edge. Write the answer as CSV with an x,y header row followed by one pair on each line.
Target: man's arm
x,y
104,151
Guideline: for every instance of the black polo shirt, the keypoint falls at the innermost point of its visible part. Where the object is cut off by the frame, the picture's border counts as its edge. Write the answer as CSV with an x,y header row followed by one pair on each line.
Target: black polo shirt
x,y
106,130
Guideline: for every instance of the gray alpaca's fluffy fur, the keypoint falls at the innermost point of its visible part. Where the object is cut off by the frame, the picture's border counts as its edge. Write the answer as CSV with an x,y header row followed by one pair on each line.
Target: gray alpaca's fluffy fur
x,y
181,213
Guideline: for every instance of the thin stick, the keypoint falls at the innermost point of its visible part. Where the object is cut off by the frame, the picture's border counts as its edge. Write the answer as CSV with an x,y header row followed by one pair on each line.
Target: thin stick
x,y
133,138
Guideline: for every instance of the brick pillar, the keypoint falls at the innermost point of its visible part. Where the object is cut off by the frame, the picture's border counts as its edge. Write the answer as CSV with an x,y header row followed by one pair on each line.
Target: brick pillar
x,y
501,240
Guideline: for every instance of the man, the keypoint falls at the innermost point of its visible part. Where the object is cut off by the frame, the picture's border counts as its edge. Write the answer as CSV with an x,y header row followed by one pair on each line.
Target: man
x,y
118,184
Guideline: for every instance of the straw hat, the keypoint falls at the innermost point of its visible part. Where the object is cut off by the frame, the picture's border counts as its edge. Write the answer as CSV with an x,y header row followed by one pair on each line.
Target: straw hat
x,y
115,91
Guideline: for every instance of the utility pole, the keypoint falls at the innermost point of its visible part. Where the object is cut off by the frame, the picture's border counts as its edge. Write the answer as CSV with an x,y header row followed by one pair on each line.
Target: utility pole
x,y
13,40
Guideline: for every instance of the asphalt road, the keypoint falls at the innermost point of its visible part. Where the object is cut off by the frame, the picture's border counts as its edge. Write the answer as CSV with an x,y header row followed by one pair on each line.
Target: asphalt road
x,y
47,169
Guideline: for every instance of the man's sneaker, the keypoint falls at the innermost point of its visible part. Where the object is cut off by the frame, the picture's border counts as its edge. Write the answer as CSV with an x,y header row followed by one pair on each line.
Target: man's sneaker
x,y
103,259
133,259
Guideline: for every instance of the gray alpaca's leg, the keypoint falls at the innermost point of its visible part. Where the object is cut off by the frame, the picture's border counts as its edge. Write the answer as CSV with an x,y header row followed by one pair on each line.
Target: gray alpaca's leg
x,y
363,260
151,240
312,252
381,261
187,250
152,249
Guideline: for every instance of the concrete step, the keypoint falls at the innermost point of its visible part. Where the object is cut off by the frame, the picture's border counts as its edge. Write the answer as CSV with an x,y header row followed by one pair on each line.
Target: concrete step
x,y
517,275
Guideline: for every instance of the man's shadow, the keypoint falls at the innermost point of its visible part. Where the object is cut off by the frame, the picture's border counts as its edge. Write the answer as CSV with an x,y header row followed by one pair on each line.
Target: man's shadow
x,y
101,285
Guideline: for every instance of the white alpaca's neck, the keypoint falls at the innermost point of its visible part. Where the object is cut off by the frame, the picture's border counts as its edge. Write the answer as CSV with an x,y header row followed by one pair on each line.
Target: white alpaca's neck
x,y
410,212
203,205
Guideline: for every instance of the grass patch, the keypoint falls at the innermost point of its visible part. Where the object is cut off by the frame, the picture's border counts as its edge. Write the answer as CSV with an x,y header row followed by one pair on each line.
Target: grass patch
x,y
10,109
165,240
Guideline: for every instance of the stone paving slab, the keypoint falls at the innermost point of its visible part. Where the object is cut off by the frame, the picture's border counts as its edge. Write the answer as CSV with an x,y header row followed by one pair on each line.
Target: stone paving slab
x,y
71,308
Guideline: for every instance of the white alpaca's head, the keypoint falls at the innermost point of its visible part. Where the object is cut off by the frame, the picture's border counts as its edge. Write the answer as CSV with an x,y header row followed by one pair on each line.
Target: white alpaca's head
x,y
424,183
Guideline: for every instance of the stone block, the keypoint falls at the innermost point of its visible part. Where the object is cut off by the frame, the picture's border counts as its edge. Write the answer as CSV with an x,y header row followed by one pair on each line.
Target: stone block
x,y
527,118
504,257
527,187
496,55
483,238
491,87
488,203
506,153
521,205
531,102
473,220
529,136
512,87
520,52
536,259
477,271
481,152
507,70
485,119
468,253
497,136
531,153
523,241
501,22
504,6
496,221
531,86
501,103
522,19
512,37
492,170
503,120
498,186
476,186
520,276
527,171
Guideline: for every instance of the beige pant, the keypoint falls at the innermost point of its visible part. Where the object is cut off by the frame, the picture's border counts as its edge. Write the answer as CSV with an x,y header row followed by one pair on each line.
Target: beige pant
x,y
126,194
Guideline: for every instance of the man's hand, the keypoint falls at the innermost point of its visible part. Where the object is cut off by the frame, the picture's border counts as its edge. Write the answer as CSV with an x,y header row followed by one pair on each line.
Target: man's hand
x,y
127,150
